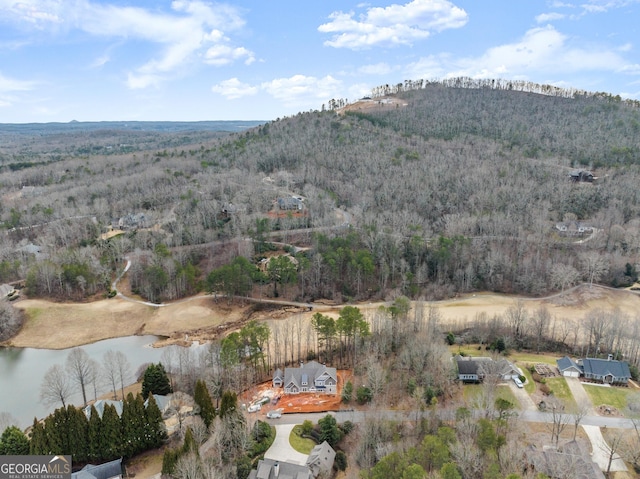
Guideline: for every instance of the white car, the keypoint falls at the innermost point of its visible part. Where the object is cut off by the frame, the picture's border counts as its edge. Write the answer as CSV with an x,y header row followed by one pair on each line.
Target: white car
x,y
254,407
518,382
274,414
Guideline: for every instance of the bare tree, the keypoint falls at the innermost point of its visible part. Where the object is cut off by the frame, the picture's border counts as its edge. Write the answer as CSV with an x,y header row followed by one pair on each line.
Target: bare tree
x,y
558,418
124,369
188,467
78,365
540,324
55,386
594,266
517,318
578,415
564,276
611,447
6,420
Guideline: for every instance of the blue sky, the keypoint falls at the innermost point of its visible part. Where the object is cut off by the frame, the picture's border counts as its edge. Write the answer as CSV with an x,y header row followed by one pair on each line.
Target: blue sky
x,y
182,60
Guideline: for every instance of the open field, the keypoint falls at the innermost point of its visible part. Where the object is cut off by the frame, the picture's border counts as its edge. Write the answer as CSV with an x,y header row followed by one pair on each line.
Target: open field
x,y
63,325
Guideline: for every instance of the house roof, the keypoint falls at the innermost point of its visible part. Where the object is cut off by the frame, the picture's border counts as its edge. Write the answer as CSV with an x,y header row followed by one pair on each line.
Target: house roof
x,y
467,366
566,363
100,405
321,458
277,373
312,369
101,471
266,470
604,367
569,461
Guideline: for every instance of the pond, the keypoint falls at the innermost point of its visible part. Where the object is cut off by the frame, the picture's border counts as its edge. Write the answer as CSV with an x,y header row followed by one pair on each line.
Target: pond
x,y
22,371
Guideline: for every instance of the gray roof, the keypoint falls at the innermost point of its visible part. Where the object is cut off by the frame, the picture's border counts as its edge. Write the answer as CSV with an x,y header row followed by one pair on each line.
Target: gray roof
x,y
567,363
603,367
312,370
100,405
570,460
101,471
467,365
321,458
277,373
266,470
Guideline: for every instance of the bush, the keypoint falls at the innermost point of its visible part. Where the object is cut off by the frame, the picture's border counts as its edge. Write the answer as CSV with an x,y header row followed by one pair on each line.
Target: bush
x,y
341,461
364,395
536,377
347,427
545,389
306,428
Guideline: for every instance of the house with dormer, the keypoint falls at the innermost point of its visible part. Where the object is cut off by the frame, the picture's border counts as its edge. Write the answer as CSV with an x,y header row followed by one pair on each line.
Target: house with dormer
x,y
310,377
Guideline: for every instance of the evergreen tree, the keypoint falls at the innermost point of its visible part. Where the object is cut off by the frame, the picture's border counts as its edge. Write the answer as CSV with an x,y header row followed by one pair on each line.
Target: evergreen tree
x,y
329,430
155,430
189,444
169,460
155,381
203,400
133,425
94,435
229,403
38,445
77,431
14,442
111,436
56,426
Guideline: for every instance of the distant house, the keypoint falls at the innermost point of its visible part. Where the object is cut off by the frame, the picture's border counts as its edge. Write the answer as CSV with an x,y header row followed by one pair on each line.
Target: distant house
x,y
573,228
100,404
108,470
310,377
568,367
607,371
581,175
321,458
131,221
290,203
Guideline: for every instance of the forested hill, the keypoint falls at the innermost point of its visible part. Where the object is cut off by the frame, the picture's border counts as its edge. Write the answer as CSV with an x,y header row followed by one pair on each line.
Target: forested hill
x,y
427,191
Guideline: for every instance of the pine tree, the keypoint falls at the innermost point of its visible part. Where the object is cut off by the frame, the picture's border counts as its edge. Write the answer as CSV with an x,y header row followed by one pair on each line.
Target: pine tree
x,y
229,403
38,445
111,436
94,435
155,430
56,425
203,399
133,425
78,433
155,381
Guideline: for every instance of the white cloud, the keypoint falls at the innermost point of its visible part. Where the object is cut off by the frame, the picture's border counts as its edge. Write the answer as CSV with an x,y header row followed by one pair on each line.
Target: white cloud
x,y
632,69
549,17
233,89
303,90
191,31
540,50
9,84
392,25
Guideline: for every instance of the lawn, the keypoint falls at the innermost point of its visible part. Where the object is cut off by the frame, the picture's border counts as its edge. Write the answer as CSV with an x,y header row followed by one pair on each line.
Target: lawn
x,y
470,391
561,391
616,397
300,444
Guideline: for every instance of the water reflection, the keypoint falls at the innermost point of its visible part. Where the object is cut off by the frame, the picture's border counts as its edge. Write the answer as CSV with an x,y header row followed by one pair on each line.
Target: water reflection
x,y
22,371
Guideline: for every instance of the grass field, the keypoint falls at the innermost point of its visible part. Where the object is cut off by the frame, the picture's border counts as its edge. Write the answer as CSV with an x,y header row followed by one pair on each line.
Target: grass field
x,y
561,390
470,391
616,397
300,444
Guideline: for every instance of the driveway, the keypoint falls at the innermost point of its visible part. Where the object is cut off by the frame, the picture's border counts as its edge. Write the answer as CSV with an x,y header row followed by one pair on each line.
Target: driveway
x,y
281,450
526,403
580,395
601,451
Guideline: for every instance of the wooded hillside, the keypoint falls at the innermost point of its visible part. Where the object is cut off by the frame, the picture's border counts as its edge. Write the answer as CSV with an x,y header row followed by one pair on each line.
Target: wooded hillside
x,y
444,189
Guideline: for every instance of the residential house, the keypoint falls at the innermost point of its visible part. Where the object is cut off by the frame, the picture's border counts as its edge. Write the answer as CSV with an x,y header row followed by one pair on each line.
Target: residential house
x,y
321,458
568,367
573,228
100,404
278,378
320,461
581,175
570,460
607,371
475,369
271,469
108,470
310,377
290,203
131,221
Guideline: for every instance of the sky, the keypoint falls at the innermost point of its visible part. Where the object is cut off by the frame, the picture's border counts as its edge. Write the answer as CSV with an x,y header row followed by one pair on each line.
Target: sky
x,y
183,60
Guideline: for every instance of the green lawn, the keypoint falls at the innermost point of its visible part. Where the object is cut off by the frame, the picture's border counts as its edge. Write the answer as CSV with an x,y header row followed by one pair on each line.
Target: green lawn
x,y
561,390
529,386
616,397
300,444
469,391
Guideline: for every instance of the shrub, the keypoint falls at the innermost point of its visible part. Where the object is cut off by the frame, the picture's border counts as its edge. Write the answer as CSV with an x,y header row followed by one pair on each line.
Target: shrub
x,y
341,461
545,389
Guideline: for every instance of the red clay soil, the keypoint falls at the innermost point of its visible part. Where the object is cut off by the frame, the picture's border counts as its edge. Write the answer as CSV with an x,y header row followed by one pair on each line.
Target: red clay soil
x,y
296,403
